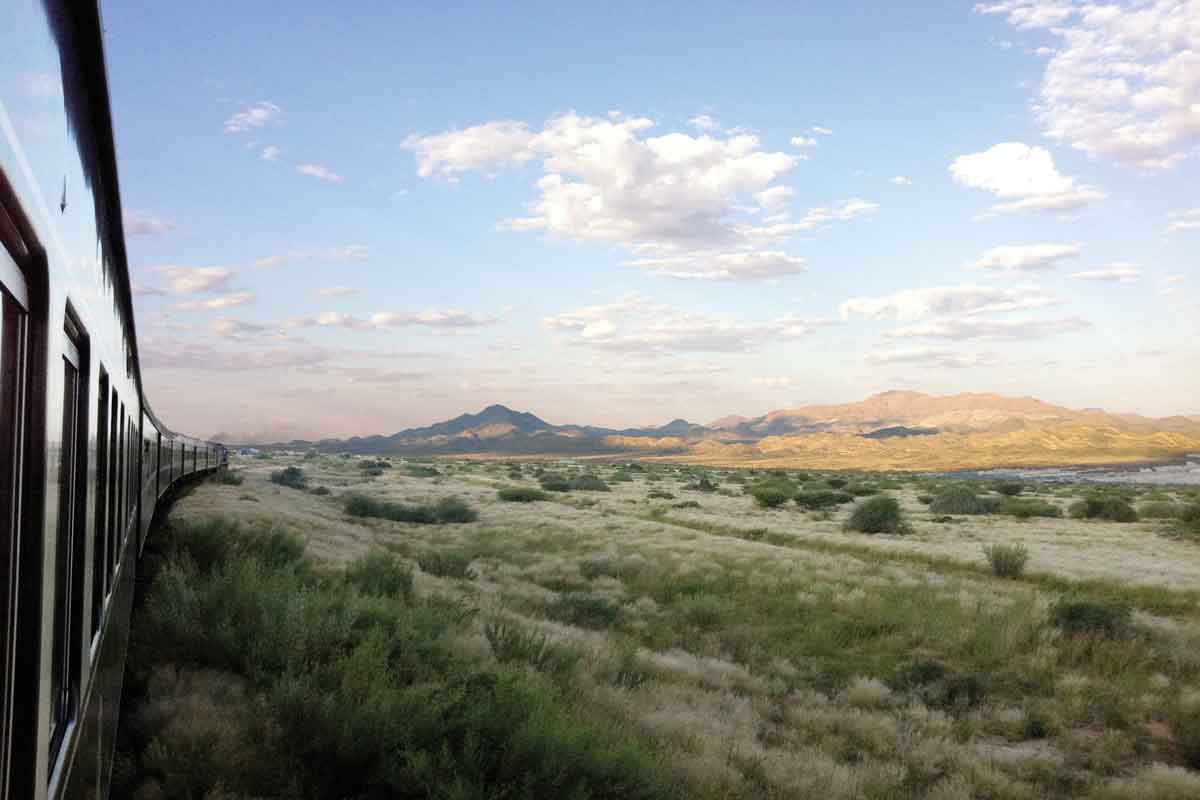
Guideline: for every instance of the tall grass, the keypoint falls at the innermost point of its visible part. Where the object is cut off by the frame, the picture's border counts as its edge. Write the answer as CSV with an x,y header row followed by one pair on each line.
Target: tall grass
x,y
339,686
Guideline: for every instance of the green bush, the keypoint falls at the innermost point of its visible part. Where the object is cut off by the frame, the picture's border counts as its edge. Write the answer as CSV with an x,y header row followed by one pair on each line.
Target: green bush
x,y
446,564
379,464
814,500
771,496
585,610
836,483
319,490
228,477
1007,560
1009,488
925,499
1186,727
1103,507
861,490
1159,509
521,494
292,477
1026,507
1075,616
342,686
589,483
879,514
961,500
421,471
512,643
554,482
659,494
702,485
381,574
448,509
687,504
454,509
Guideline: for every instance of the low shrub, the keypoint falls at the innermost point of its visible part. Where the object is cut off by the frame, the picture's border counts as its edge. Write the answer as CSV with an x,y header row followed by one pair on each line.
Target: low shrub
x,y
421,471
1107,507
879,514
1186,727
659,494
448,509
770,496
1076,616
228,477
1160,510
292,477
554,482
962,500
836,483
585,610
1026,507
379,464
454,509
925,499
814,500
521,494
589,483
1007,560
687,504
319,490
702,485
446,564
380,574
344,685
512,643
1009,488
861,490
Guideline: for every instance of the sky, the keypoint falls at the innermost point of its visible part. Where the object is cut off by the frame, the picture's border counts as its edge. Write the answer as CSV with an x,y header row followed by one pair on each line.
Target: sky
x,y
356,219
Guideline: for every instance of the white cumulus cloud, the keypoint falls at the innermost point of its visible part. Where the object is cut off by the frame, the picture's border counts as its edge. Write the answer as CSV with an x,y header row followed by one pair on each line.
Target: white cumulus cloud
x,y
976,328
1025,257
217,303
252,117
1186,221
1117,272
913,304
932,357
1121,84
1024,177
320,172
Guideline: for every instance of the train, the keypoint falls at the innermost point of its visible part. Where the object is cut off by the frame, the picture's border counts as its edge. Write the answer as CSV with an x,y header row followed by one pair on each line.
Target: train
x,y
84,460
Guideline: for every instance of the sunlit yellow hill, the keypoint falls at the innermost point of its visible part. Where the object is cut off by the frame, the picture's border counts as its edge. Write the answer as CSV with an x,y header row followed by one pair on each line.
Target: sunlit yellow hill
x,y
1052,445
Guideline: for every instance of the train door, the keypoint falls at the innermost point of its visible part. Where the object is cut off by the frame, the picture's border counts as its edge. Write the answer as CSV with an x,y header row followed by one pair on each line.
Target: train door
x,y
69,552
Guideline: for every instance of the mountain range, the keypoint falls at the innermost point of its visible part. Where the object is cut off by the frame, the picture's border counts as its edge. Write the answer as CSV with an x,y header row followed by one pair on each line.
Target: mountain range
x,y
890,430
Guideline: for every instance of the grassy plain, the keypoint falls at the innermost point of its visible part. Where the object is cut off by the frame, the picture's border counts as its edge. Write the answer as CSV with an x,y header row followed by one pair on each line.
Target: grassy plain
x,y
746,651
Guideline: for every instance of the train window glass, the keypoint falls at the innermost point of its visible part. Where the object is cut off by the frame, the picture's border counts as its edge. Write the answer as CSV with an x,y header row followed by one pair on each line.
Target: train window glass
x,y
100,538
114,493
122,457
69,552
14,332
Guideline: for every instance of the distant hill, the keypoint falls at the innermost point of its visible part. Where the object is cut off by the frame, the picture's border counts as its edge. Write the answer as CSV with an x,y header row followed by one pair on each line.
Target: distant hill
x,y
887,430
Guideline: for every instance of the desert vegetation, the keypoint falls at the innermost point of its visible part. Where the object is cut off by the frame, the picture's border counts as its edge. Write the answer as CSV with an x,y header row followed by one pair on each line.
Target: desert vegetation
x,y
669,640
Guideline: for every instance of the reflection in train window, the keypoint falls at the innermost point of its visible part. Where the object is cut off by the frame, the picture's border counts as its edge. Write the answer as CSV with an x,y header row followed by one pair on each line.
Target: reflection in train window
x,y
69,551
100,543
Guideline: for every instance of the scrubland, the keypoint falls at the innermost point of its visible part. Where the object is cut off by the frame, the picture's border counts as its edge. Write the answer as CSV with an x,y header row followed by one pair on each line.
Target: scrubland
x,y
485,629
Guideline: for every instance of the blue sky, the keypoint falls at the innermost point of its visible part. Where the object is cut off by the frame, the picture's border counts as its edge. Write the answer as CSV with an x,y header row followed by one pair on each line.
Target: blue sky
x,y
369,218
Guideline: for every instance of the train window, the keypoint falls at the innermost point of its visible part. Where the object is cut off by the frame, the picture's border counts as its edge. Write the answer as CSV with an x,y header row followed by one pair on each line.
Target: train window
x,y
122,457
14,334
69,553
100,541
114,492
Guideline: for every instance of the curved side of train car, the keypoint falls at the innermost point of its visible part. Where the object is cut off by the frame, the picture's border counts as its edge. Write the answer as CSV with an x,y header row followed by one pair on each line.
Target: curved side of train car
x,y
83,458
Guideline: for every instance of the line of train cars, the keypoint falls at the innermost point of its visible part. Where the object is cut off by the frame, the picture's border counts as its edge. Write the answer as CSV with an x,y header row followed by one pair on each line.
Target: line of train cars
x,y
83,459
